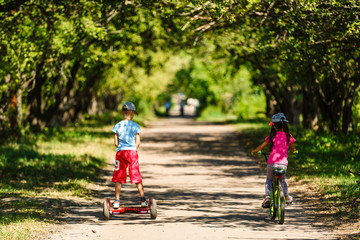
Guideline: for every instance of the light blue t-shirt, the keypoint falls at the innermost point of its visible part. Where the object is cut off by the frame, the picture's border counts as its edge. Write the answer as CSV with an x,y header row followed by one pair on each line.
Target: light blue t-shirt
x,y
126,131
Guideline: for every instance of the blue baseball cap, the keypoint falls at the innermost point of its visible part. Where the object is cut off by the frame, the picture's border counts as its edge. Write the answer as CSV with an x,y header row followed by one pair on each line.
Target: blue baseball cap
x,y
279,117
128,106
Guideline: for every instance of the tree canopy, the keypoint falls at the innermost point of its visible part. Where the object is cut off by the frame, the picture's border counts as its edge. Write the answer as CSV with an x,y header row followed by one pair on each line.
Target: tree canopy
x,y
63,59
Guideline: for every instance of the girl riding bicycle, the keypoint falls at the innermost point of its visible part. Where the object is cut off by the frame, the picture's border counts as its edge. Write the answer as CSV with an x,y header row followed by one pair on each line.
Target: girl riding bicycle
x,y
280,140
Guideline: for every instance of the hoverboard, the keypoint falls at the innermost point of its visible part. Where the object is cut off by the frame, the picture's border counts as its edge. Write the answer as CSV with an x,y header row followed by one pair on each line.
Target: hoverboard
x,y
108,210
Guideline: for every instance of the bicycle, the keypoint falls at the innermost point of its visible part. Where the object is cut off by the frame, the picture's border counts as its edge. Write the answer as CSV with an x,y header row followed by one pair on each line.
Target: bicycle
x,y
277,198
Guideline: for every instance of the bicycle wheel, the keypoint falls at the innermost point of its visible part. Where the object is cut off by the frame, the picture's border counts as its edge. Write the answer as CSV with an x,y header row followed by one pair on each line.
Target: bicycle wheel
x,y
281,208
273,203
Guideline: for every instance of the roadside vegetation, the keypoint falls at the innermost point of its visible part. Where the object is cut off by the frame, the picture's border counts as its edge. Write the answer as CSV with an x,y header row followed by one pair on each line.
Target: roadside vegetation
x,y
44,174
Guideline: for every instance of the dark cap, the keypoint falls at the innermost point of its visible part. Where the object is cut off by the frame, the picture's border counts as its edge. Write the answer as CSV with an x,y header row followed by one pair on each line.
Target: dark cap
x,y
128,106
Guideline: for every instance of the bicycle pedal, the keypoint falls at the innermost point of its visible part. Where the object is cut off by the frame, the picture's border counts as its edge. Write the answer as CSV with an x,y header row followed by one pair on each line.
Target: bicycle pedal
x,y
265,206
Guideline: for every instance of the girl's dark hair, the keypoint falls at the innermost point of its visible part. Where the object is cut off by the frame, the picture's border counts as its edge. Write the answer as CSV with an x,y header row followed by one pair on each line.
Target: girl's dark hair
x,y
279,125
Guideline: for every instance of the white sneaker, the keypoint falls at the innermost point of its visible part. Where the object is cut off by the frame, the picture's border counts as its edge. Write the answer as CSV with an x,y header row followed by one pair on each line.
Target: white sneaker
x,y
290,200
266,202
144,204
116,203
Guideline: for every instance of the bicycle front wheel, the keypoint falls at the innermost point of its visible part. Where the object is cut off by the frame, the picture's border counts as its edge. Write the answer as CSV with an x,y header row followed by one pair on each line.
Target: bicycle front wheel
x,y
281,205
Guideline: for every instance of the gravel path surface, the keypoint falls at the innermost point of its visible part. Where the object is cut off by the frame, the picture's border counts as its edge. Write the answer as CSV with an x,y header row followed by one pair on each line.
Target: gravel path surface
x,y
205,185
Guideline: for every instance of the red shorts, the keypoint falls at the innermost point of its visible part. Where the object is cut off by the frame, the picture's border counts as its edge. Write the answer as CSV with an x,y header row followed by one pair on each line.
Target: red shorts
x,y
123,159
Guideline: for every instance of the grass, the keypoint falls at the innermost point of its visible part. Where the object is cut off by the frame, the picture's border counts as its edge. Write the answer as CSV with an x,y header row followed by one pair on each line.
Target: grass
x,y
323,160
37,178
24,229
214,114
44,174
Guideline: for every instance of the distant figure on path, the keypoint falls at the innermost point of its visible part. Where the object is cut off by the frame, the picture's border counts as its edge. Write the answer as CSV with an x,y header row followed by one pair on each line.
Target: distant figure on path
x,y
182,104
167,107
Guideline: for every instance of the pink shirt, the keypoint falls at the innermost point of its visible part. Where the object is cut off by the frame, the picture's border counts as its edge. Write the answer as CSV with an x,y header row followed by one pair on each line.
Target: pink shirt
x,y
279,152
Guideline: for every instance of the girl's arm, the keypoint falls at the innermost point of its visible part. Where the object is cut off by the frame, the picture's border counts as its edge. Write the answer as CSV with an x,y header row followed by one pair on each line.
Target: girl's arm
x,y
116,140
259,148
137,140
292,148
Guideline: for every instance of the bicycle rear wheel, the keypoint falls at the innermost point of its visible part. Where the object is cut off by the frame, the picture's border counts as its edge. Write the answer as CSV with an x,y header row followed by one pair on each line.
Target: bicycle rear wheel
x,y
281,206
273,208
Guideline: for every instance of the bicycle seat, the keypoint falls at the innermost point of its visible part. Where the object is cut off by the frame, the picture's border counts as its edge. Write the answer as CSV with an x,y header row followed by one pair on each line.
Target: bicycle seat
x,y
279,171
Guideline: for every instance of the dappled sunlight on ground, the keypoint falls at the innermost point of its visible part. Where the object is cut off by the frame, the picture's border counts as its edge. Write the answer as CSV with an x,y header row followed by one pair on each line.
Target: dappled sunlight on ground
x,y
206,188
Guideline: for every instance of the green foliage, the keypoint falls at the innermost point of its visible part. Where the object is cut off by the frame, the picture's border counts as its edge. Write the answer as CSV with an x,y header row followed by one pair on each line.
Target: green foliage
x,y
133,83
295,47
356,112
22,162
214,114
249,102
39,179
216,84
323,151
63,59
325,159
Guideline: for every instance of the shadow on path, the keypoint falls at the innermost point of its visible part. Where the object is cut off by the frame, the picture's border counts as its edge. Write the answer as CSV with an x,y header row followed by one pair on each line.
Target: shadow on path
x,y
199,175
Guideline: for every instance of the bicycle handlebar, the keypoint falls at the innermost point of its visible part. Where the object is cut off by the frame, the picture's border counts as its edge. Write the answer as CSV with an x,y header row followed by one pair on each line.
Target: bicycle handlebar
x,y
259,152
263,153
355,173
267,154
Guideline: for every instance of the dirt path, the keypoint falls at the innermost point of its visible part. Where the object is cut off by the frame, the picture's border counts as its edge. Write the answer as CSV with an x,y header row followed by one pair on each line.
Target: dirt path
x,y
206,188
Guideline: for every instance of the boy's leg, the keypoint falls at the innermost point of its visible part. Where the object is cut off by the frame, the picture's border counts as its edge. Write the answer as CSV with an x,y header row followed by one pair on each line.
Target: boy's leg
x,y
134,171
135,176
140,188
116,203
117,190
119,175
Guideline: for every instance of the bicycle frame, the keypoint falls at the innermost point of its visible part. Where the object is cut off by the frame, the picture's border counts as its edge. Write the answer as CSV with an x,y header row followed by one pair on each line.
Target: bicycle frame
x,y
277,205
277,198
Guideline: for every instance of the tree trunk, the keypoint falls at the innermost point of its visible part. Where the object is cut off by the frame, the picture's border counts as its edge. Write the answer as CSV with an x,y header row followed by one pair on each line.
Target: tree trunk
x,y
310,110
347,114
281,99
34,99
64,92
19,116
270,102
